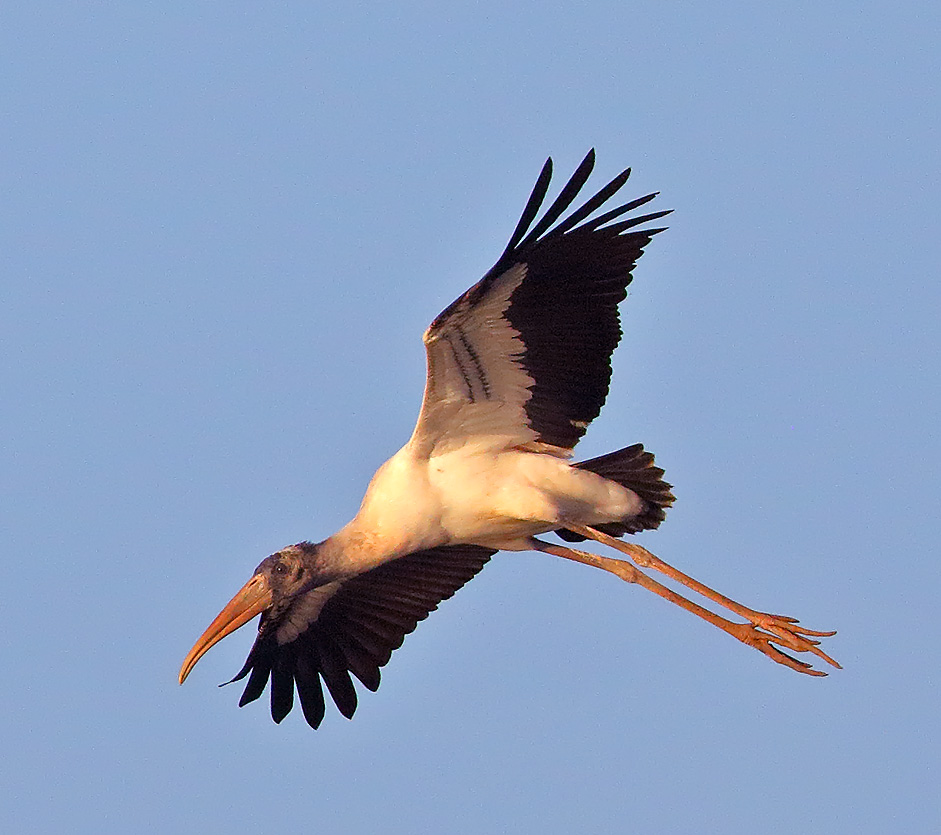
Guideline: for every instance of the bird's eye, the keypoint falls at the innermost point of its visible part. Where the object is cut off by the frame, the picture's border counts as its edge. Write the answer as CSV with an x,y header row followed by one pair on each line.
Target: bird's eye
x,y
280,568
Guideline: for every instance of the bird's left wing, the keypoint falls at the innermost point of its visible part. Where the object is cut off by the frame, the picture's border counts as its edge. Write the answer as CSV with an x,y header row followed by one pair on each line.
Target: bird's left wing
x,y
523,358
351,627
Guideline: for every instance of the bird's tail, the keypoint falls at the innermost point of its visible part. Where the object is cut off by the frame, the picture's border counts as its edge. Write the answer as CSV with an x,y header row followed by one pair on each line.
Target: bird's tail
x,y
633,468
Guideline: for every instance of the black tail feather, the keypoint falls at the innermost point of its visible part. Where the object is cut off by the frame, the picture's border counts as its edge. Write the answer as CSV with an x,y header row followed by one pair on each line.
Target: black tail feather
x,y
633,468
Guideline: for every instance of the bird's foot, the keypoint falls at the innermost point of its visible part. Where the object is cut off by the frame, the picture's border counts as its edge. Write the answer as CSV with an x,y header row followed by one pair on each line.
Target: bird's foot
x,y
765,630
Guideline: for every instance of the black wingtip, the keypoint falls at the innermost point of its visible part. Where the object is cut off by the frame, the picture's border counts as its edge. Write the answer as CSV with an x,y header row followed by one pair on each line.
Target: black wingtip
x,y
563,200
536,197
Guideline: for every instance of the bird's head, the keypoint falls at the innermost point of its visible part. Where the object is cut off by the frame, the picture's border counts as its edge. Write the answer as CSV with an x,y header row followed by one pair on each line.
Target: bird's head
x,y
272,588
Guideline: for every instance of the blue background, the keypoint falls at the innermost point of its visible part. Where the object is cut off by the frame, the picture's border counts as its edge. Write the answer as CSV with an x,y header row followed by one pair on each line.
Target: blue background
x,y
224,227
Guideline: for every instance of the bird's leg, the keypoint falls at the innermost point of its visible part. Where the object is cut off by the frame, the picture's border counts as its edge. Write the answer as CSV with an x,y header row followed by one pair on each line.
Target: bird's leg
x,y
781,626
761,632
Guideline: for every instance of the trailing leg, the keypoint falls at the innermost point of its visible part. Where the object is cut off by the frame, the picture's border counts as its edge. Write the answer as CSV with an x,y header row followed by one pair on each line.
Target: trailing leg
x,y
762,631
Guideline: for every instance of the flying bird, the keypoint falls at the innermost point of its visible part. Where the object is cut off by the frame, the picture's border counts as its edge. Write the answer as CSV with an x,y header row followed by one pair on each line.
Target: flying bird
x,y
517,368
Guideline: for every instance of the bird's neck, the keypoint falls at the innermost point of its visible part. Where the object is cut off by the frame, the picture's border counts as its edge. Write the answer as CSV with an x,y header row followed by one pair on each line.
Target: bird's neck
x,y
351,551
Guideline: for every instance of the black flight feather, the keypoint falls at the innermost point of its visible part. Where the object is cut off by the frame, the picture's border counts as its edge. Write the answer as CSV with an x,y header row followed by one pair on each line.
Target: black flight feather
x,y
356,632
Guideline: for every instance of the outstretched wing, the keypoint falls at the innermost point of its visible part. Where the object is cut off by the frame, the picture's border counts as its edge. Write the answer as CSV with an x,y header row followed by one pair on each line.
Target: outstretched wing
x,y
524,356
351,627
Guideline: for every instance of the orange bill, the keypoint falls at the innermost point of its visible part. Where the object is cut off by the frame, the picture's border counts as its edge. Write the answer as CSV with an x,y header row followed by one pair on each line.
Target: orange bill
x,y
250,600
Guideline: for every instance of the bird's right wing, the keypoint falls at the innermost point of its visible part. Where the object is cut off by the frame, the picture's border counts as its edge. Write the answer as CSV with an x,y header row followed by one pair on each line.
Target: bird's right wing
x,y
351,627
523,358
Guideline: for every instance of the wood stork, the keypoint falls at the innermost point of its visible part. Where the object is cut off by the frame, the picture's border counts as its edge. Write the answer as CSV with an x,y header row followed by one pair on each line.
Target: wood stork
x,y
518,367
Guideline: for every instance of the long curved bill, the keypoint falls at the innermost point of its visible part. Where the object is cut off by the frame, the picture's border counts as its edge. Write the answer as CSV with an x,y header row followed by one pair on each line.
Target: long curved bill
x,y
250,600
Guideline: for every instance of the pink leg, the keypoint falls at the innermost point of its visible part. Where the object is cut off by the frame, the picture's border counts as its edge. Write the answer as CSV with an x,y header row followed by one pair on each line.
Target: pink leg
x,y
762,630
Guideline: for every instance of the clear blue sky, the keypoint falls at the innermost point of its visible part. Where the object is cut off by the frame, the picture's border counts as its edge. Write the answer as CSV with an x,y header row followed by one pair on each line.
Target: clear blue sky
x,y
224,227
